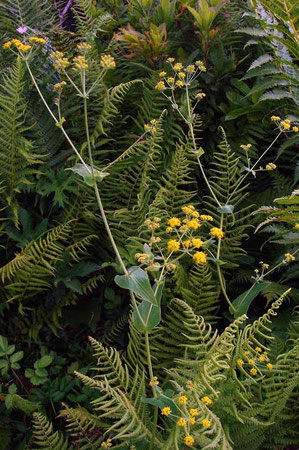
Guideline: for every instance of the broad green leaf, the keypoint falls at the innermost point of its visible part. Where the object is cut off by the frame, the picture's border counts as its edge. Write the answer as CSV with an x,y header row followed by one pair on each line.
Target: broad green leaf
x,y
16,357
147,317
3,345
12,389
226,209
138,282
241,304
43,362
86,173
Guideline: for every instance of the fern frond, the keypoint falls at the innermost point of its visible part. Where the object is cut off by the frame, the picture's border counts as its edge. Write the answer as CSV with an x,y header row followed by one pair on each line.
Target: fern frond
x,y
45,437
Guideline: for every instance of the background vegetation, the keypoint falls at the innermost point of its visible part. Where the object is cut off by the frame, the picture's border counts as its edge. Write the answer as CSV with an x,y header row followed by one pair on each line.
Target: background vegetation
x,y
58,266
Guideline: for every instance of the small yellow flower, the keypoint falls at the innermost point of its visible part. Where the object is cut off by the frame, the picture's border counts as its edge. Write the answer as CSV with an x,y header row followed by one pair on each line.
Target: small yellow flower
x,y
207,218
217,232
170,80
201,66
38,40
246,147
246,353
206,400
17,42
192,420
200,96
188,209
261,359
270,366
166,411
6,45
189,440
275,118
271,166
253,371
288,257
173,245
59,86
295,129
24,48
170,60
170,267
80,62
186,243
297,226
190,68
155,240
206,423
258,349
193,224
162,74
174,222
182,400
200,258
142,257
177,67
169,230
83,46
181,422
195,214
154,382
285,125
152,225
182,75
160,86
194,412
197,243
107,62
240,362
179,84
251,362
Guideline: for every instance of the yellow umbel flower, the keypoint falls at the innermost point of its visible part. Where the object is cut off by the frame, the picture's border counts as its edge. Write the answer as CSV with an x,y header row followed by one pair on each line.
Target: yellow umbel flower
x,y
80,62
275,118
181,422
251,362
7,45
206,400
59,86
182,400
189,440
192,420
166,411
270,366
170,80
297,226
154,382
206,423
173,245
194,412
59,61
240,362
271,166
253,371
16,42
107,62
186,243
246,147
195,214
197,242
285,125
162,74
258,349
201,66
261,359
179,84
83,46
24,48
160,86
193,224
182,75
200,258
288,257
190,68
174,222
206,217
188,209
217,233
177,67
169,230
247,352
142,257
200,96
170,60
38,40
295,129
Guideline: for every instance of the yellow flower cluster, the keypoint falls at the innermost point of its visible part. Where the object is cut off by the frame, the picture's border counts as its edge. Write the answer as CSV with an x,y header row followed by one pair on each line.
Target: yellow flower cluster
x,y
174,222
284,125
181,76
166,411
142,257
262,357
181,422
206,423
83,46
59,61
80,62
200,96
18,44
37,40
201,66
245,147
173,245
108,62
288,257
271,166
205,218
191,68
206,400
189,440
59,86
200,258
160,86
153,224
217,233
151,127
182,400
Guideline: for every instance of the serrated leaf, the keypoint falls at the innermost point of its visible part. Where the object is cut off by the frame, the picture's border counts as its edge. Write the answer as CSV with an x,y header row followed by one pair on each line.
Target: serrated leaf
x,y
260,61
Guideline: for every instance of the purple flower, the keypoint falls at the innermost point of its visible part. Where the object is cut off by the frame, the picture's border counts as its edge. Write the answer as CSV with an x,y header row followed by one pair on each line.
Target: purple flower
x,y
22,30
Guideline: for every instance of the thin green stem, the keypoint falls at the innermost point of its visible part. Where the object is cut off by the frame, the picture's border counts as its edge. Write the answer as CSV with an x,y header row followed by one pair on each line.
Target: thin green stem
x,y
219,272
